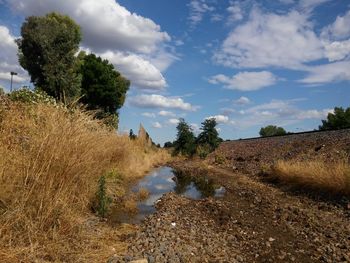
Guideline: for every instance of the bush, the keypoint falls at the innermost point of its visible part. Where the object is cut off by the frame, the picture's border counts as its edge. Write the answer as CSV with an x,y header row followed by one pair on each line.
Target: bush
x,y
32,96
340,119
203,151
271,130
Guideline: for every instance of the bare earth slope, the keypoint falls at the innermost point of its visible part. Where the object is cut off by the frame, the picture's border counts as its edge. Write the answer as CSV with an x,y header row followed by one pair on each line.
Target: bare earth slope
x,y
254,221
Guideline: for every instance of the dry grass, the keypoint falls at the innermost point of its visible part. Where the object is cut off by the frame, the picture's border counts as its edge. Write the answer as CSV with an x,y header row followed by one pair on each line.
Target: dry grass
x,y
331,177
143,194
51,160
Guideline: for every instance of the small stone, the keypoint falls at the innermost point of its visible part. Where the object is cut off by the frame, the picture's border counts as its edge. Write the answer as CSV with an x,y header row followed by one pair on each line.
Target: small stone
x,y
271,239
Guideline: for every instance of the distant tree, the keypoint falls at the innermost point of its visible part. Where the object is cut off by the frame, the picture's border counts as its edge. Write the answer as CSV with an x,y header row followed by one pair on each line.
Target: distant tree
x,y
185,139
271,130
132,135
168,144
47,49
158,145
340,119
102,87
209,136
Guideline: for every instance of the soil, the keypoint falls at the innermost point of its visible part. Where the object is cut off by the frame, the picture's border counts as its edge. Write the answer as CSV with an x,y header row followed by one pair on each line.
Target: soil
x,y
255,221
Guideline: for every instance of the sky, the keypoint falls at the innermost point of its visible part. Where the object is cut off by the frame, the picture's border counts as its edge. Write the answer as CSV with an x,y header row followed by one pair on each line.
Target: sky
x,y
247,63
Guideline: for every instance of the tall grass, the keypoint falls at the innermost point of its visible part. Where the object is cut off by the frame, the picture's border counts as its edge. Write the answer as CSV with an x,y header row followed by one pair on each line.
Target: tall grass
x,y
51,161
331,177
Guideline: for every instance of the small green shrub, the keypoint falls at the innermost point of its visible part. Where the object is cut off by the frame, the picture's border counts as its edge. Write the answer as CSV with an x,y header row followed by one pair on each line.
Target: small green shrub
x,y
203,151
103,200
220,158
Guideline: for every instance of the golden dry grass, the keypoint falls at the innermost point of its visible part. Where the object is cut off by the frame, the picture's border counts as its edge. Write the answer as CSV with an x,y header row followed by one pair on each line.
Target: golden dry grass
x,y
51,160
332,177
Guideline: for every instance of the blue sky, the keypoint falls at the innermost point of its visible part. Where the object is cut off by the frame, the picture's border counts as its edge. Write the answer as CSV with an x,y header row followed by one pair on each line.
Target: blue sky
x,y
247,63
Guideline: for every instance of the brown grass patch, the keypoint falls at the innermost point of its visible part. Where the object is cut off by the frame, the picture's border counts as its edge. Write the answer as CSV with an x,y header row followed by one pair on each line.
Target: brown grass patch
x,y
143,194
51,160
332,177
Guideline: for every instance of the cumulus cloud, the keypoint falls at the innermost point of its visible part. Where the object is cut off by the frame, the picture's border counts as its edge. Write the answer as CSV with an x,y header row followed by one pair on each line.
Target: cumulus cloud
x,y
9,59
277,112
322,74
235,11
148,114
242,101
173,121
141,72
197,10
339,30
245,81
156,125
166,113
265,40
135,44
159,101
221,119
337,50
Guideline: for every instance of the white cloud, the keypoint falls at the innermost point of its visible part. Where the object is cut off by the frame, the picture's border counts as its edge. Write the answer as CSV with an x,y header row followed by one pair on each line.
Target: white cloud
x,y
105,23
265,40
173,121
156,125
141,72
245,81
166,113
277,112
235,11
338,30
159,101
337,50
197,10
309,5
337,71
148,114
216,17
242,101
9,59
287,2
195,128
221,119
135,44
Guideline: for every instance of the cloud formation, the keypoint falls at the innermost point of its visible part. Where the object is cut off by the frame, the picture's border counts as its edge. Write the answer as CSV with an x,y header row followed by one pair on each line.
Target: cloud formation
x,y
245,81
135,45
159,101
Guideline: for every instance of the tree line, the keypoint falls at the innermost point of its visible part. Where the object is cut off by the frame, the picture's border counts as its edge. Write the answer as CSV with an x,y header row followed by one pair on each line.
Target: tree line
x,y
338,119
49,50
188,144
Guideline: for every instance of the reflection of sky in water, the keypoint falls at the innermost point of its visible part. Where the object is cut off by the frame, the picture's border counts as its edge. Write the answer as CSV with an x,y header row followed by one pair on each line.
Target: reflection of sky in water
x,y
159,182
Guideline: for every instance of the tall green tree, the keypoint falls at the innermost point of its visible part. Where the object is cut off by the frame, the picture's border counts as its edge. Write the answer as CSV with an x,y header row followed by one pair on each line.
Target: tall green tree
x,y
340,119
185,139
272,130
47,49
209,137
102,87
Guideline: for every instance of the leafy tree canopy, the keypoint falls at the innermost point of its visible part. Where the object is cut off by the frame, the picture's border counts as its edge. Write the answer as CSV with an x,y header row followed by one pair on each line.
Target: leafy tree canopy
x,y
340,119
185,139
47,49
271,130
209,135
102,86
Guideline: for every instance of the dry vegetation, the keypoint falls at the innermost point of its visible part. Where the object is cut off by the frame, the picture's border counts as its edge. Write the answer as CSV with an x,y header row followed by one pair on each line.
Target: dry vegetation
x,y
332,177
51,160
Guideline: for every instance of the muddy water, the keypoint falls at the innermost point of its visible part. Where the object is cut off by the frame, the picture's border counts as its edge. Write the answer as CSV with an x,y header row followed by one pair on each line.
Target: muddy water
x,y
163,180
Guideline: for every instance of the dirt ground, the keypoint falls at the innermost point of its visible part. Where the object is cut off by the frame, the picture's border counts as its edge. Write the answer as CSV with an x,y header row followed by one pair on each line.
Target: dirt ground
x,y
255,221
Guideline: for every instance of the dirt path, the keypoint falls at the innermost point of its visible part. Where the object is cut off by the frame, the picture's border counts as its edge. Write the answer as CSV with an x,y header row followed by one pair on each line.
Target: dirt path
x,y
254,222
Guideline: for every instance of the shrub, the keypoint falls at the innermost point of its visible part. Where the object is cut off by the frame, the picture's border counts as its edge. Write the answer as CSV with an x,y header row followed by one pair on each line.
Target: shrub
x,y
203,151
220,158
32,96
102,198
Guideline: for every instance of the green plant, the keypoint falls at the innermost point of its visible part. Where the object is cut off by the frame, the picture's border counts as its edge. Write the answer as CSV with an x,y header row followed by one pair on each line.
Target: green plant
x,y
102,198
271,130
219,158
339,119
203,151
32,96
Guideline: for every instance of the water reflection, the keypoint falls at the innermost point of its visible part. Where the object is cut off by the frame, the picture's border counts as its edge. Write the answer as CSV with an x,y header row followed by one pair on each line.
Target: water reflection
x,y
164,180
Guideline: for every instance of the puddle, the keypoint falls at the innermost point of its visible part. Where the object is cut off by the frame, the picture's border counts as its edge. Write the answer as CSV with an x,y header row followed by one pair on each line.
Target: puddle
x,y
163,180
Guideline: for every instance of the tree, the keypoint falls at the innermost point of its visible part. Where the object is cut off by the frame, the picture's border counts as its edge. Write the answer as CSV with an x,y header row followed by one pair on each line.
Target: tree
x,y
168,144
271,130
47,51
185,140
209,136
102,86
132,135
340,119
